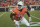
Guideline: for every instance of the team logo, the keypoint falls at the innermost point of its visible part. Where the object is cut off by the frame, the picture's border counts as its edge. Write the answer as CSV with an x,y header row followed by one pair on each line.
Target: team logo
x,y
18,13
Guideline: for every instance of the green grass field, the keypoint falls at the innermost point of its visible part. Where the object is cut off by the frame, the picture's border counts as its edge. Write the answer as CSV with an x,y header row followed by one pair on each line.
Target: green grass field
x,y
5,20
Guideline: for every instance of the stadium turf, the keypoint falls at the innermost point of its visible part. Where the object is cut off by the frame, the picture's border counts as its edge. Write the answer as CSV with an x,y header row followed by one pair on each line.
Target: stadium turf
x,y
5,20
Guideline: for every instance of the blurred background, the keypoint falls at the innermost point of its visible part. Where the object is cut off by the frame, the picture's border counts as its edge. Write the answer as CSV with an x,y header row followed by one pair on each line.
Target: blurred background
x,y
33,4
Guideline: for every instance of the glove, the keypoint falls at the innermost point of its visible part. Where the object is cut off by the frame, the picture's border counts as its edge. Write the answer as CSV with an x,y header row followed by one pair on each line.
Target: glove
x,y
30,19
14,20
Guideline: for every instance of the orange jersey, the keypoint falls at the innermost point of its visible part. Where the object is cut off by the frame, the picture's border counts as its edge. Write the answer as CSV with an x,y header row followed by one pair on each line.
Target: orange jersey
x,y
19,14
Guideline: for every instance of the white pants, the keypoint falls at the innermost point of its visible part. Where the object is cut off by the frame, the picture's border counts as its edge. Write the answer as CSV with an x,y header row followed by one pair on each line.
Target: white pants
x,y
23,21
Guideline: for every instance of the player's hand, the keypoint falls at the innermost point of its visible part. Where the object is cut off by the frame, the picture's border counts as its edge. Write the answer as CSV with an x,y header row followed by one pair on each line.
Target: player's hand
x,y
30,19
14,20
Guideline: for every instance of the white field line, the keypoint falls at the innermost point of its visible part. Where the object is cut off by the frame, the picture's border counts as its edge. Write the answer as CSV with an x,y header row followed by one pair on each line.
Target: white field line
x,y
35,17
37,24
33,24
2,14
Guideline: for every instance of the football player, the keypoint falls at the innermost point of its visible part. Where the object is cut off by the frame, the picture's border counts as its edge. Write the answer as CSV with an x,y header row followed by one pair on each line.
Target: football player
x,y
18,14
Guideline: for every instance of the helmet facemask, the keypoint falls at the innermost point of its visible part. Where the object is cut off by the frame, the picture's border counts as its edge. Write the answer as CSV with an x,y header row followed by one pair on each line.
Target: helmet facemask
x,y
20,5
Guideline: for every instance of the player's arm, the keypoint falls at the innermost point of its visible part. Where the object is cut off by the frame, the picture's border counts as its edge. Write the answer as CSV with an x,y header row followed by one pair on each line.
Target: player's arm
x,y
11,16
28,7
29,16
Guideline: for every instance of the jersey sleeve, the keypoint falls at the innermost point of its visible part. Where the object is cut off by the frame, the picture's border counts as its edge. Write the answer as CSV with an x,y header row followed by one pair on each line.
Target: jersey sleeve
x,y
13,11
25,9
